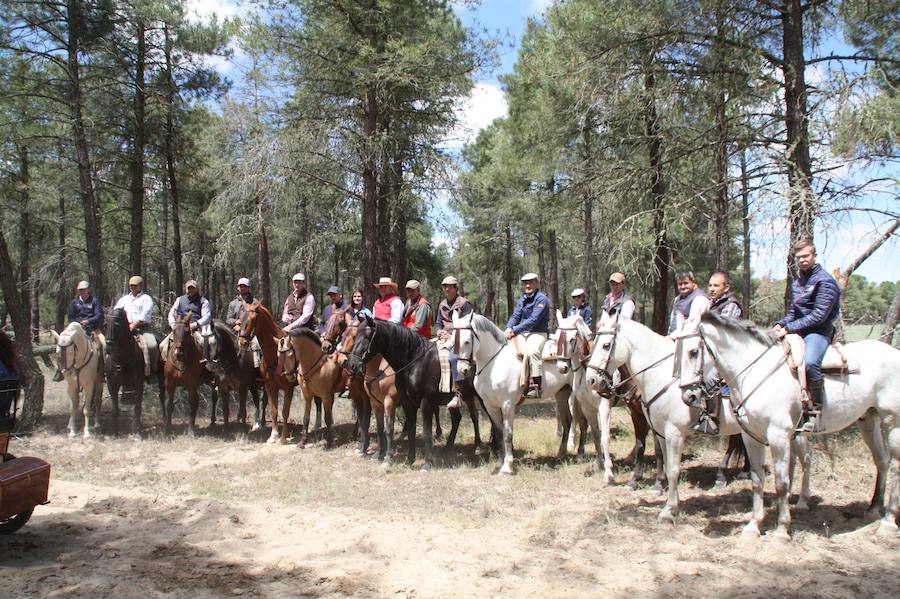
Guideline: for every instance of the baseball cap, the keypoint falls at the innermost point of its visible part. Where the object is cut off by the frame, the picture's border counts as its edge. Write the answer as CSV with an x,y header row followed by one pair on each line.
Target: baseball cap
x,y
617,277
244,281
83,285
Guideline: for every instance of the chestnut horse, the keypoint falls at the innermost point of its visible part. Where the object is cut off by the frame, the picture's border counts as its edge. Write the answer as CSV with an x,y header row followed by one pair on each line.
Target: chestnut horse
x,y
183,368
257,321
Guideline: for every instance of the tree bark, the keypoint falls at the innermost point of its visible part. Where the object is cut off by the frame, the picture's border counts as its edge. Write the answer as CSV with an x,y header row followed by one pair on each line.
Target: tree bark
x,y
553,276
29,372
745,220
801,202
92,226
507,271
26,280
890,321
262,256
61,272
661,254
401,222
587,267
369,258
136,243
720,151
169,144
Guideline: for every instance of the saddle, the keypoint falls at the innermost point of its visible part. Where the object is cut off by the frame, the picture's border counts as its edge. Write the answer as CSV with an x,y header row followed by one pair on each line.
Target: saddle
x,y
547,355
834,362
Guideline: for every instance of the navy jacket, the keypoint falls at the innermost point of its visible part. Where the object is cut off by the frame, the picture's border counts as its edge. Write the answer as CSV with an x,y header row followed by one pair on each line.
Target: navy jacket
x,y
89,310
815,303
532,314
585,312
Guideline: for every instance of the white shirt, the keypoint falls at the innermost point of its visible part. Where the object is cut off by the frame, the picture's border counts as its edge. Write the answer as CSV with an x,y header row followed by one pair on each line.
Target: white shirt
x,y
137,307
396,310
205,313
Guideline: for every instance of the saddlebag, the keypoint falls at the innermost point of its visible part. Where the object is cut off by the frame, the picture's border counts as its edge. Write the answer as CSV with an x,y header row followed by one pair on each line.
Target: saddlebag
x,y
24,483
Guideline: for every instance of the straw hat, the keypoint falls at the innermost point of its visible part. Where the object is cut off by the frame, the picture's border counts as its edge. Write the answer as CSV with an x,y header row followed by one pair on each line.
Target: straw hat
x,y
135,280
386,281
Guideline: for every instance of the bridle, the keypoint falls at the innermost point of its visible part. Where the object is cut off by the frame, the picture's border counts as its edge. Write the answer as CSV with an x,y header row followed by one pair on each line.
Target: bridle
x,y
76,369
562,349
460,358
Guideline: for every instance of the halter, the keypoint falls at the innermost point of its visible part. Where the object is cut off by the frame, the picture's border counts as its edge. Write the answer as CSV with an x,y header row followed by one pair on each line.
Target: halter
x,y
76,369
562,348
456,344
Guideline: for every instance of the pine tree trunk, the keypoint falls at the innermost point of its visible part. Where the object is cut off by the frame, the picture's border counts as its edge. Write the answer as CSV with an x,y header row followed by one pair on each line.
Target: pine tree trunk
x,y
587,267
745,219
26,280
401,224
61,272
29,372
721,195
369,257
661,255
262,258
136,243
553,275
507,271
170,166
92,225
802,203
890,321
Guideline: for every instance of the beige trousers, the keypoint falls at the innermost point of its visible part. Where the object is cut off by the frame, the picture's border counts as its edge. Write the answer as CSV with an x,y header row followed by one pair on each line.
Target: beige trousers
x,y
534,343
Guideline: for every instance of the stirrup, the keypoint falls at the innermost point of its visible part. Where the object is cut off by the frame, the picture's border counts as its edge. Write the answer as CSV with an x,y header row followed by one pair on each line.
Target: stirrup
x,y
58,376
532,392
455,402
705,426
810,422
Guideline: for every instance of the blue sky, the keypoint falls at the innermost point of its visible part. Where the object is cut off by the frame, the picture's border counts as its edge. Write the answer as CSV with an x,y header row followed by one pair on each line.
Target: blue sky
x,y
839,240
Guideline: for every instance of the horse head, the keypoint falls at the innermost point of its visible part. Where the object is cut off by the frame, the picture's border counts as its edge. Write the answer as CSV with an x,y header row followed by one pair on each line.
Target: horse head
x,y
363,345
464,339
181,336
692,366
573,338
74,339
602,363
247,323
334,328
345,345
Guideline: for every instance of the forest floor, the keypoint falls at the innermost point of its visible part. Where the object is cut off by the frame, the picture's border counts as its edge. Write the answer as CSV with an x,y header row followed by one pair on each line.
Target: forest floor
x,y
227,515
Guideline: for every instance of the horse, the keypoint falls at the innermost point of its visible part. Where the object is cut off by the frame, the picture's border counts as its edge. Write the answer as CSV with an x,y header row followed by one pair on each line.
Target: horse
x,y
651,360
754,365
81,363
572,353
183,368
124,365
257,321
417,375
481,344
233,370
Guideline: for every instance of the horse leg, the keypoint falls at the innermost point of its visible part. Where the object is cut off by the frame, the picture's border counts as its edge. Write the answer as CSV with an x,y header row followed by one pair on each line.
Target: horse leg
x,y
870,427
674,444
455,419
410,426
384,422
194,405
226,399
429,407
161,385
508,416
564,423
286,412
364,418
603,413
888,526
272,394
641,428
214,399
138,407
259,407
473,415
756,456
318,401
329,421
307,410
780,446
438,431
721,479
659,450
74,403
113,388
582,436
242,403
800,450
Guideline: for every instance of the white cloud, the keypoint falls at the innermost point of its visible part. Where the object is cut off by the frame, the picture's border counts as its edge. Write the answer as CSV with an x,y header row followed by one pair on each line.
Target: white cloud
x,y
537,7
485,104
203,9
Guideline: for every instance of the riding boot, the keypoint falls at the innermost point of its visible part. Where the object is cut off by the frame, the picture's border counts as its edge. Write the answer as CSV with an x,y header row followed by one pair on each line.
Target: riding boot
x,y
456,402
58,375
534,389
809,422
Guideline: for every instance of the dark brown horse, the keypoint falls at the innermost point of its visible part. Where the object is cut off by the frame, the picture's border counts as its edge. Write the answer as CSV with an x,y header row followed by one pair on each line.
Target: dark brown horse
x,y
257,321
124,364
233,370
183,368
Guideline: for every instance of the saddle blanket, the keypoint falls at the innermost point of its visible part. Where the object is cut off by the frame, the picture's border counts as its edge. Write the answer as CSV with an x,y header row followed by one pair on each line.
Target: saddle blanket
x,y
444,348
835,361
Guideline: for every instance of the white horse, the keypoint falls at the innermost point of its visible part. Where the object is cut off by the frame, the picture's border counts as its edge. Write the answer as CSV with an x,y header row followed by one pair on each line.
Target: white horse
x,y
483,347
82,366
651,359
768,405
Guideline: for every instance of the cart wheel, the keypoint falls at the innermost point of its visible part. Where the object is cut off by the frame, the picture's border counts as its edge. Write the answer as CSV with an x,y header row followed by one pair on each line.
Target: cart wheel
x,y
14,523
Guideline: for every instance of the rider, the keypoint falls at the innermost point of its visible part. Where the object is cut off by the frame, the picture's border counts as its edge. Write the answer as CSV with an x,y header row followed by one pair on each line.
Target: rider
x,y
814,306
299,306
581,307
337,302
201,315
86,311
444,326
689,305
388,306
618,301
244,296
417,315
531,318
357,307
138,307
722,302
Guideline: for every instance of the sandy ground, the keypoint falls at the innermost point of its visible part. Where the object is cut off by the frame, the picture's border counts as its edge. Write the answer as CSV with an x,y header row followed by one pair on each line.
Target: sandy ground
x,y
223,515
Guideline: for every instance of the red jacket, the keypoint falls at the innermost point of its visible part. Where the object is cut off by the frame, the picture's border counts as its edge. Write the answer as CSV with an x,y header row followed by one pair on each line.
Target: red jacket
x,y
410,320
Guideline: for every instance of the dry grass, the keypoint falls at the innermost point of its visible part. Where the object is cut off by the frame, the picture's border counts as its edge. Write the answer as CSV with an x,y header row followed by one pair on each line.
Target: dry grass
x,y
228,512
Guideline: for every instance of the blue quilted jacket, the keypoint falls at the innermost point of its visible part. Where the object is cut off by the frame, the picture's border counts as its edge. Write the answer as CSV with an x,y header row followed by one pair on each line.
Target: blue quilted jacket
x,y
815,303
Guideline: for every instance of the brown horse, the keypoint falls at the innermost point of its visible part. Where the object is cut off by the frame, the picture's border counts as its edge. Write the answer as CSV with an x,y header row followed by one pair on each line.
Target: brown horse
x,y
257,321
183,368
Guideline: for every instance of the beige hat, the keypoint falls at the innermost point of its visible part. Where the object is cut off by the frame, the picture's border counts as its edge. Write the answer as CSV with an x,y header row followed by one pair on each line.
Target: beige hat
x,y
299,277
617,277
244,281
412,284
191,283
531,276
451,280
135,280
83,285
386,281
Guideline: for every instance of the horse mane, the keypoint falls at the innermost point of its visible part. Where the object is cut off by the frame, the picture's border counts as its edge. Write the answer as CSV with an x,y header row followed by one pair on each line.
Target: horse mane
x,y
400,339
269,320
309,334
482,324
745,327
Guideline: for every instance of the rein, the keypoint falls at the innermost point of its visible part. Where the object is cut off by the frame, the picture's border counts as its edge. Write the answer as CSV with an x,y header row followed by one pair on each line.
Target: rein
x,y
76,369
475,336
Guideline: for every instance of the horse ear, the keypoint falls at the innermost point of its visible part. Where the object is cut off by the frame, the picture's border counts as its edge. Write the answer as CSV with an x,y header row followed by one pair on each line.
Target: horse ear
x,y
559,316
55,335
370,321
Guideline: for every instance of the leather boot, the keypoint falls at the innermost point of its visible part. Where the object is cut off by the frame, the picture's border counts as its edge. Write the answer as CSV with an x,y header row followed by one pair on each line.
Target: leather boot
x,y
809,422
58,375
456,402
534,389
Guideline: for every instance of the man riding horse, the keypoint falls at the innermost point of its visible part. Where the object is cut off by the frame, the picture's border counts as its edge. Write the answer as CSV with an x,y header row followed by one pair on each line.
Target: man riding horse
x,y
299,306
417,315
86,310
200,315
618,301
138,307
722,302
388,306
452,301
581,308
531,319
814,307
690,303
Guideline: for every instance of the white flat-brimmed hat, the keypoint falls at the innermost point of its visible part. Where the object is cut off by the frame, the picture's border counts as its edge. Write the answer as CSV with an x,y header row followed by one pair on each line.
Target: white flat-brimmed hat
x,y
531,276
83,285
299,277
577,292
450,280
244,281
135,280
386,281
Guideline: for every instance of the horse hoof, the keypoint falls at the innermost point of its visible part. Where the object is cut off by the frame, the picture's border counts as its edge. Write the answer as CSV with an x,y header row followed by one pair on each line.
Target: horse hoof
x,y
873,513
506,470
750,533
72,434
781,537
385,465
657,488
666,517
255,427
887,529
425,468
135,437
